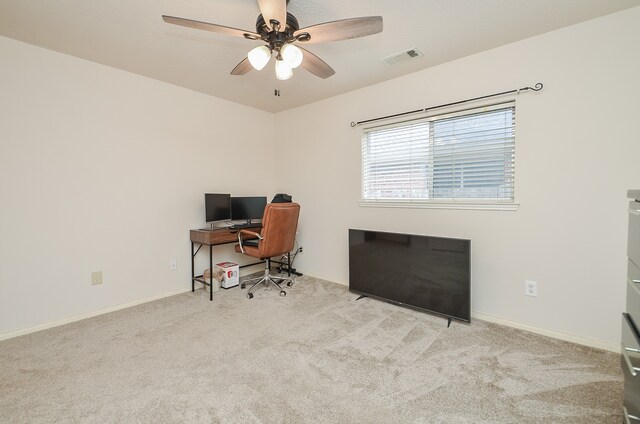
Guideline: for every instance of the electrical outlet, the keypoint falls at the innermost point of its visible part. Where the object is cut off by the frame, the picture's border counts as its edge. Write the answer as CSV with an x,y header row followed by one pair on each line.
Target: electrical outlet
x,y
96,278
300,249
173,265
531,288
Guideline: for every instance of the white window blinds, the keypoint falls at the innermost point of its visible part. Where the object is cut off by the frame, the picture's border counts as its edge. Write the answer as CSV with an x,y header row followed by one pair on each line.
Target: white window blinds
x,y
462,156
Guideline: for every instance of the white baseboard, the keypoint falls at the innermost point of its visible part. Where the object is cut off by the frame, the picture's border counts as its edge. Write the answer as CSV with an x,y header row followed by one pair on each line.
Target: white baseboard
x,y
86,315
573,338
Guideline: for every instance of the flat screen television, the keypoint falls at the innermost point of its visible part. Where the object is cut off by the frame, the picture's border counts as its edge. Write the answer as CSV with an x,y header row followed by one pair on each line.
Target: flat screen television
x,y
217,207
248,208
432,274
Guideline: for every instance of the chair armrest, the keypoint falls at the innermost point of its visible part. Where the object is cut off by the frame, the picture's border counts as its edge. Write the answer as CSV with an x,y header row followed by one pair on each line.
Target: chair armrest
x,y
249,233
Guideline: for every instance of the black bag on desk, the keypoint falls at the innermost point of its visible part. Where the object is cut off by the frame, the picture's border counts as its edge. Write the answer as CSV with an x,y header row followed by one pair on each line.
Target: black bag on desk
x,y
281,198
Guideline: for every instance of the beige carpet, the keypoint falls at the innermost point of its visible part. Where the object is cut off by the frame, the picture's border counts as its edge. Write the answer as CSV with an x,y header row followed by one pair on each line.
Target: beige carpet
x,y
315,356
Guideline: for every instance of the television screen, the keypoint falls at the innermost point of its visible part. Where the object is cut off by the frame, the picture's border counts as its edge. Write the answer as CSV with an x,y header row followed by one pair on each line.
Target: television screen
x,y
432,274
248,208
217,207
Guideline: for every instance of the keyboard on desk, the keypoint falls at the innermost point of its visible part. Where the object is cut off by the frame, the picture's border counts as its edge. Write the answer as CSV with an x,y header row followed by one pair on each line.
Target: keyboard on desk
x,y
244,226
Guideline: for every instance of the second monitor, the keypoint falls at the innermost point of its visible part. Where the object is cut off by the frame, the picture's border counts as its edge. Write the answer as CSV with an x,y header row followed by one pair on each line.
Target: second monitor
x,y
248,208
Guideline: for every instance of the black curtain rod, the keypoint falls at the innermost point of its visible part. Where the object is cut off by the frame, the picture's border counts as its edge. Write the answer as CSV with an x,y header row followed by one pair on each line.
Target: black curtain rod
x,y
536,87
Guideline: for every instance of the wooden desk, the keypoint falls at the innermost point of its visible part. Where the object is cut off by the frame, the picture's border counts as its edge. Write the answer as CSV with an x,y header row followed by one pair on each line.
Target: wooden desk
x,y
212,238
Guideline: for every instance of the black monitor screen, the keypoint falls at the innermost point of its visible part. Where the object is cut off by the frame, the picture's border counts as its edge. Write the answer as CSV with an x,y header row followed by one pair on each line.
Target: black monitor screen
x,y
248,207
217,207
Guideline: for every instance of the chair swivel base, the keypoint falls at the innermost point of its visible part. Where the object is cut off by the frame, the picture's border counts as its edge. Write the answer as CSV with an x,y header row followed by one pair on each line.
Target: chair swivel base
x,y
267,279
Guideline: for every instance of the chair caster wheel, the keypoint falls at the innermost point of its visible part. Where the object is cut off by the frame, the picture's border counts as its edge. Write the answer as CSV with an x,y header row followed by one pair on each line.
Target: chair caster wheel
x,y
243,286
283,293
250,296
289,283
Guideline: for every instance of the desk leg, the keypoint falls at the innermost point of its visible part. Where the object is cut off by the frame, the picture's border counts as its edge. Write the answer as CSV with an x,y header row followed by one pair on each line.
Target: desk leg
x,y
211,272
193,275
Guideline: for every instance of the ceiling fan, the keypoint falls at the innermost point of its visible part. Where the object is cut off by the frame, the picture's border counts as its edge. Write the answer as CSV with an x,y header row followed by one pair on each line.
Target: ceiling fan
x,y
281,32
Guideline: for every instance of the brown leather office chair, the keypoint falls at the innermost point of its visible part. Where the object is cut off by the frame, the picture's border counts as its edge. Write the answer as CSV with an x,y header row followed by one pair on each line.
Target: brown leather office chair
x,y
278,236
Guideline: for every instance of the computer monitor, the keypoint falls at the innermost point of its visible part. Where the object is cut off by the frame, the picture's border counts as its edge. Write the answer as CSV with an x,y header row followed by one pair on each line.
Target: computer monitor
x,y
217,207
248,208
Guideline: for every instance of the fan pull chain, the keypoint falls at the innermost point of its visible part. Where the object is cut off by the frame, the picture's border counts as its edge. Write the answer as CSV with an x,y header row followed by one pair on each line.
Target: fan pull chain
x,y
276,90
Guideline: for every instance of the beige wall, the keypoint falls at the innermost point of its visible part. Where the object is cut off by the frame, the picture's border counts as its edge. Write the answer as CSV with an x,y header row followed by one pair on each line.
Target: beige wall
x,y
105,170
577,148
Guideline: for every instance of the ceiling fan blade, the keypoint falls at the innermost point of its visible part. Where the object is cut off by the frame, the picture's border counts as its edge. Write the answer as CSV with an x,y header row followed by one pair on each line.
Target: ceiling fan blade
x,y
235,32
242,67
274,9
315,65
343,29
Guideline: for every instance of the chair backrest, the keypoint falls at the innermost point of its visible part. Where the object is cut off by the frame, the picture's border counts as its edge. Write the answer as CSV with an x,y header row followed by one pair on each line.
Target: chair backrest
x,y
279,226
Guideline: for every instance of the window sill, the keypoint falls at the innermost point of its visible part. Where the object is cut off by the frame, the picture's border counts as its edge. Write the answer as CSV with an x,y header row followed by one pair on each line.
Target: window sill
x,y
468,205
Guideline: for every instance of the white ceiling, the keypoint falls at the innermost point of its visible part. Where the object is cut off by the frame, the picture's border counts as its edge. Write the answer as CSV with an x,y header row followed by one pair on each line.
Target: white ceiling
x,y
131,35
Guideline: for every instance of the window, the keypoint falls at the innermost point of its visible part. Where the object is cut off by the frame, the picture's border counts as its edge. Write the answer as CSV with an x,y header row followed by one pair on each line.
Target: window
x,y
462,157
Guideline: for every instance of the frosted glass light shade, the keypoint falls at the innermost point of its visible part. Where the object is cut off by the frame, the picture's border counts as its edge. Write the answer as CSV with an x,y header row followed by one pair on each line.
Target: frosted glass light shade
x,y
259,57
292,55
283,70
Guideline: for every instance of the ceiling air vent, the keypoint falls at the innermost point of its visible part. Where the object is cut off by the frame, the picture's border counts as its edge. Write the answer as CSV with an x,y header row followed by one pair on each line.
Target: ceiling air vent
x,y
402,56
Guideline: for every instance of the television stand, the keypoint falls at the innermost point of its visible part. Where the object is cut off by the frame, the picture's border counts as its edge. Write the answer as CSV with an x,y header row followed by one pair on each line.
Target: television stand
x,y
362,296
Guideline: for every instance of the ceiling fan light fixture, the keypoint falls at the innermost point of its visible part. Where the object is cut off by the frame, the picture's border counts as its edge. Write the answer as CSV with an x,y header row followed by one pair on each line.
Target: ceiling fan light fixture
x,y
292,55
278,29
283,70
259,57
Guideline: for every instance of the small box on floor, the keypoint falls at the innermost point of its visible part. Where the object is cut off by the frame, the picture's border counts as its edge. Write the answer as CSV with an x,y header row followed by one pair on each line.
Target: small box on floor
x,y
231,276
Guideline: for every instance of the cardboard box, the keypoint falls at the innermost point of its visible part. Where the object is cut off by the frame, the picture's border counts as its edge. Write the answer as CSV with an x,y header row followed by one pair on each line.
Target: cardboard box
x,y
231,276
